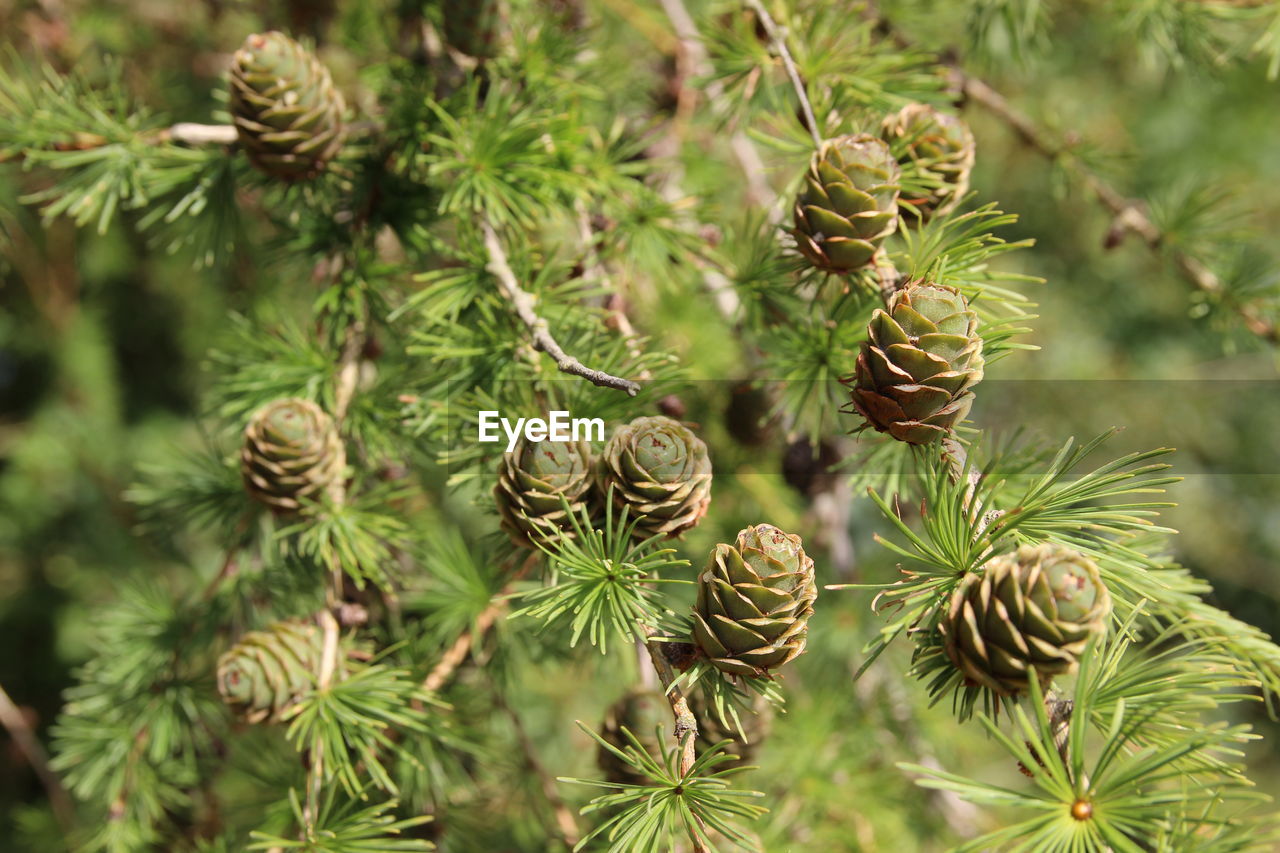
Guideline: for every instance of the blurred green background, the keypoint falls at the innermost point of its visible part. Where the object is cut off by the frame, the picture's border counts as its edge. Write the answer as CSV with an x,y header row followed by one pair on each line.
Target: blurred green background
x,y
103,337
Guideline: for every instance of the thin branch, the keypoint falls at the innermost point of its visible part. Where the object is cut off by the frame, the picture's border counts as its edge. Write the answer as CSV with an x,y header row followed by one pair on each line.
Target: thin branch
x,y
12,718
182,133
778,37
348,370
457,653
686,724
522,301
189,133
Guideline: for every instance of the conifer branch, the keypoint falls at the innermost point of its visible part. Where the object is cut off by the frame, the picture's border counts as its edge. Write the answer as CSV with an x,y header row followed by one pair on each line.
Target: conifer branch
x,y
779,40
182,133
461,647
693,63
457,652
686,724
1128,214
11,717
522,302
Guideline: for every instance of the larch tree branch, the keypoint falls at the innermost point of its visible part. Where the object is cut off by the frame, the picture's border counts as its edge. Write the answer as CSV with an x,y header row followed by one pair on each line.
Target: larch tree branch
x,y
1129,215
685,730
522,303
779,40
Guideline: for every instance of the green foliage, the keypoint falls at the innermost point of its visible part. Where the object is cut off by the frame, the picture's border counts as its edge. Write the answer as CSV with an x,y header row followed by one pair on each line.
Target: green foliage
x,y
634,178
599,580
649,817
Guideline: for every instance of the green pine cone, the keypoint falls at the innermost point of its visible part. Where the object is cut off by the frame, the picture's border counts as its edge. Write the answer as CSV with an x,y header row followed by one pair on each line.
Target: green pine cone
x,y
292,452
287,112
941,147
918,363
267,672
472,27
532,479
754,602
659,470
849,203
1037,607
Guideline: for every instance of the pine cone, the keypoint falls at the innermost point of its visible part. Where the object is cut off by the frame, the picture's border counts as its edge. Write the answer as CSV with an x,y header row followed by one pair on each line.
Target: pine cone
x,y
849,203
640,711
287,112
754,602
472,27
917,364
661,471
292,452
531,480
267,672
1037,607
940,146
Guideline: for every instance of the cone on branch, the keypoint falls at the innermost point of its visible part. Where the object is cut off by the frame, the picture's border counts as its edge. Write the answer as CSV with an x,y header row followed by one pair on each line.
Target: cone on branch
x,y
287,112
292,453
1035,608
754,602
472,27
660,471
267,672
941,147
532,479
848,204
917,366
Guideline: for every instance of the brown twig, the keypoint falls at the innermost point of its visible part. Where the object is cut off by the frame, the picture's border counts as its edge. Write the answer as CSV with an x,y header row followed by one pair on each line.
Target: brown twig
x,y
12,718
457,653
522,301
779,40
686,724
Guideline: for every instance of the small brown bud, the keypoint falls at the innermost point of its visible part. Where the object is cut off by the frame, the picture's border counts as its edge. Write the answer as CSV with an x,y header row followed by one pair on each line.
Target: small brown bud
x,y
1082,810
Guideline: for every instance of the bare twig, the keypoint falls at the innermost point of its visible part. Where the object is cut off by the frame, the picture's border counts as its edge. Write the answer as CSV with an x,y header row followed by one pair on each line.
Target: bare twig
x,y
189,133
522,301
779,39
12,718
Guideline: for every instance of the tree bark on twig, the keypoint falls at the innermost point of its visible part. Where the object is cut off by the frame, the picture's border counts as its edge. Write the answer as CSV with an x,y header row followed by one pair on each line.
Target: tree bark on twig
x,y
522,303
779,40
